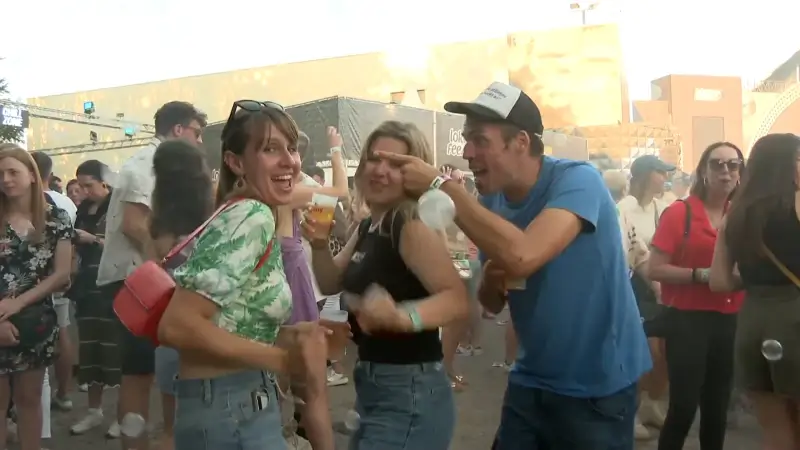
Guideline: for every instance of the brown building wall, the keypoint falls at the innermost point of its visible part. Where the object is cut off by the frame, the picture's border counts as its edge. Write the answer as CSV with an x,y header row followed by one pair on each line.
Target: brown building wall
x,y
574,74
704,109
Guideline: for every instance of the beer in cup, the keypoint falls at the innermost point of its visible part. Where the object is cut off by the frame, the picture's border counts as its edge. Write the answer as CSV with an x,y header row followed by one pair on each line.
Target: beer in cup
x,y
321,211
336,321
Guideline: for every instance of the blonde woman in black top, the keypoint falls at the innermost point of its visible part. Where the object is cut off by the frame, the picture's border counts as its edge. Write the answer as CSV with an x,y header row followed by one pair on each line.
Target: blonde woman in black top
x,y
401,286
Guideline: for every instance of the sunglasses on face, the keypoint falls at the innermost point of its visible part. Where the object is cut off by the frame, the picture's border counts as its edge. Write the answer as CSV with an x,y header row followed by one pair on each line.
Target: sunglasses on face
x,y
250,106
717,164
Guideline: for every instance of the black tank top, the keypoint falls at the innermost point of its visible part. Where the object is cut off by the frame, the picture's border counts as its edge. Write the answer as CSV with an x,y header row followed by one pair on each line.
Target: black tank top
x,y
376,259
782,237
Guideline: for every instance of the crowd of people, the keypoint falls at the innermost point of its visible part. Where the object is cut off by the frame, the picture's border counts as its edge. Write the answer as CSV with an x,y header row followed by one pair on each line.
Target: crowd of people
x,y
617,292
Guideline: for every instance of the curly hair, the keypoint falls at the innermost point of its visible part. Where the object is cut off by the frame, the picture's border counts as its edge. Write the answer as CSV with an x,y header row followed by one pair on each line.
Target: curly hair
x,y
182,197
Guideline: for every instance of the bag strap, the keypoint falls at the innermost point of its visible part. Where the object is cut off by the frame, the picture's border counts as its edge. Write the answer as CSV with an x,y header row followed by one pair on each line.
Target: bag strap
x,y
687,228
265,256
178,248
792,277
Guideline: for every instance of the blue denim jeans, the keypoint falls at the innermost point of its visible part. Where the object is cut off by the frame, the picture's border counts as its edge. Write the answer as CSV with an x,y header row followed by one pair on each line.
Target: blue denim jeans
x,y
166,369
219,414
403,407
535,419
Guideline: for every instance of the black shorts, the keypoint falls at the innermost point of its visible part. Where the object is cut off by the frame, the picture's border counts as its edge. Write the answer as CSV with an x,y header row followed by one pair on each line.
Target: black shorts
x,y
137,355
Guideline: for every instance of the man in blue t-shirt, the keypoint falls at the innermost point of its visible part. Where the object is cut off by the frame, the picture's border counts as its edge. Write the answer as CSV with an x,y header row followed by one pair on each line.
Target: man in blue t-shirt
x,y
550,239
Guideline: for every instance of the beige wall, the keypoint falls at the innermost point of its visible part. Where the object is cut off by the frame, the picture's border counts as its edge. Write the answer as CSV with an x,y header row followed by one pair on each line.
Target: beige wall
x,y
574,74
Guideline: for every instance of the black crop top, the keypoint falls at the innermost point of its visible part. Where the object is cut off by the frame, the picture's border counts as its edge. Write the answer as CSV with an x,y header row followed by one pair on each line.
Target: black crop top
x,y
376,259
781,237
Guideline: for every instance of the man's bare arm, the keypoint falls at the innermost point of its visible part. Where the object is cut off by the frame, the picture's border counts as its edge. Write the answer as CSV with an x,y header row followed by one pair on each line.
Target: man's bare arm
x,y
136,227
519,252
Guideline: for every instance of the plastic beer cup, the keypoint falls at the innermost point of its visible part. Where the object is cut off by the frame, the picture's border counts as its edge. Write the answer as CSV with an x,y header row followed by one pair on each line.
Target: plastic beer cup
x,y
321,211
336,321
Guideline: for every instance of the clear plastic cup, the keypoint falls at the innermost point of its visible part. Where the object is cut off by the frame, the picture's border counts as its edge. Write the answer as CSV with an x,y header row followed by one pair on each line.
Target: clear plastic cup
x,y
436,209
336,321
321,211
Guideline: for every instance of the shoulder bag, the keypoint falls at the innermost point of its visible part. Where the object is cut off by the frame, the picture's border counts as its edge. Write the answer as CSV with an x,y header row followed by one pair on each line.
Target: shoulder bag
x,y
784,270
655,316
146,292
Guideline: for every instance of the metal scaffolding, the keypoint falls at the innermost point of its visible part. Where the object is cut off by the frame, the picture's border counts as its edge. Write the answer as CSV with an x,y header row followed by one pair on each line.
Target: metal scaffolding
x,y
80,118
98,146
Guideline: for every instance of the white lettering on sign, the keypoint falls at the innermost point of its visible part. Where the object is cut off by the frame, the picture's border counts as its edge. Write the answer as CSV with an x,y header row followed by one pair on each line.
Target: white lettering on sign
x,y
455,143
11,116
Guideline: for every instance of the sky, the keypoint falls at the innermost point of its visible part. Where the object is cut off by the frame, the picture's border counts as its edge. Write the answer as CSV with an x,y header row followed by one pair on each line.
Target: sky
x,y
50,46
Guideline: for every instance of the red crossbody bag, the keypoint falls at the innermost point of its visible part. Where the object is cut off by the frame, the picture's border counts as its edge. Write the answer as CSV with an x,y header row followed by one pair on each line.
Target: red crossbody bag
x,y
146,292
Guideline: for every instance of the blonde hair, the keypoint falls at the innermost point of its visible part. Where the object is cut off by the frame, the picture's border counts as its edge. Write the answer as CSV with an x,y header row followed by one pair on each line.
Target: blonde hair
x,y
418,146
38,205
617,183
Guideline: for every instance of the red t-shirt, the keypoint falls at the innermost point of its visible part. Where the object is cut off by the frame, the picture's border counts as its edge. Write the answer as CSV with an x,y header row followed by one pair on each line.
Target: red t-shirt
x,y
693,251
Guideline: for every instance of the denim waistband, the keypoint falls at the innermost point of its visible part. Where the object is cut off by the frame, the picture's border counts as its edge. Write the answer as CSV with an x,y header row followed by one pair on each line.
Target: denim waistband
x,y
409,369
241,381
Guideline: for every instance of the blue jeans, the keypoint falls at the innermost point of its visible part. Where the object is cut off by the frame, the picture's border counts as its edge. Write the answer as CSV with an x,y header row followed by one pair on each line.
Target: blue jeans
x,y
403,407
166,369
220,414
535,419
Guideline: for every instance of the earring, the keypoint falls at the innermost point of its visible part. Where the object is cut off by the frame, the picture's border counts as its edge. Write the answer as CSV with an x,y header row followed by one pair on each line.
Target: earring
x,y
239,185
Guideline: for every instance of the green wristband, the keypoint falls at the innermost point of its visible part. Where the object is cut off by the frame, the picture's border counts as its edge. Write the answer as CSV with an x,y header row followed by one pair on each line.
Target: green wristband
x,y
416,320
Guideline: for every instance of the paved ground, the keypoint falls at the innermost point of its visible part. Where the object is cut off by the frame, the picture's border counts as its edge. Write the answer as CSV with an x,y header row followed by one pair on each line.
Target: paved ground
x,y
478,409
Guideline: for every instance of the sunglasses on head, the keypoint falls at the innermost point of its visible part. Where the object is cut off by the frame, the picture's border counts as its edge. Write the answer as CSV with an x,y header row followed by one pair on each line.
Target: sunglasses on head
x,y
249,106
733,165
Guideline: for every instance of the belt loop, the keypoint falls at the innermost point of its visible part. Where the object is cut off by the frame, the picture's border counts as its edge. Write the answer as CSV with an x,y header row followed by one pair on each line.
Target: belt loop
x,y
208,395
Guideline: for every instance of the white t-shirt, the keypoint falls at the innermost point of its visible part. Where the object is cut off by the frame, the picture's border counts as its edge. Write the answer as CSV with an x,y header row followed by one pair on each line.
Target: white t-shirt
x,y
134,185
64,202
644,219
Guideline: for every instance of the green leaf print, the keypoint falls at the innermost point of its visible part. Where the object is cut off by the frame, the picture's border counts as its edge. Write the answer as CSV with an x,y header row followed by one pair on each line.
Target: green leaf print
x,y
253,303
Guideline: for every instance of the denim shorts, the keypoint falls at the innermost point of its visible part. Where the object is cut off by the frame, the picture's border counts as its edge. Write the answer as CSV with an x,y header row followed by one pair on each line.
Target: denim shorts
x,y
403,407
536,419
166,369
219,413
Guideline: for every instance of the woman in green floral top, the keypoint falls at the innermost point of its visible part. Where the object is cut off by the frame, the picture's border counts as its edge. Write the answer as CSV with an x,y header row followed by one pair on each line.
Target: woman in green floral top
x,y
233,298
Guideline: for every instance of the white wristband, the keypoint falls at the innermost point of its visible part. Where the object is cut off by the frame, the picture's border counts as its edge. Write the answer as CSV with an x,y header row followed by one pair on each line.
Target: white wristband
x,y
336,149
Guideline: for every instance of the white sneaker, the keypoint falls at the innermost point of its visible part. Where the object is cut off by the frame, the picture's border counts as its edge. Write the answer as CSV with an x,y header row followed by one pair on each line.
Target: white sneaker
x,y
640,432
83,387
336,379
93,419
11,430
63,404
114,431
650,413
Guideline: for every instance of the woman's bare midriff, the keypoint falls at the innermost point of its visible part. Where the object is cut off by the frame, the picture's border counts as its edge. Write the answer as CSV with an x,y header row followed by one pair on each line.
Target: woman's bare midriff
x,y
193,369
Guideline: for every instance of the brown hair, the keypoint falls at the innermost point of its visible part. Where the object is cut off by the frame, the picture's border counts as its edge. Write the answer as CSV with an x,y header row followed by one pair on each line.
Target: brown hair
x,y
245,130
38,206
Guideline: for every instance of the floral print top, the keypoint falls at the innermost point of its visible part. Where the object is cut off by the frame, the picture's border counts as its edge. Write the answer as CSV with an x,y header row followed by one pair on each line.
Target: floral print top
x,y
23,264
253,303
